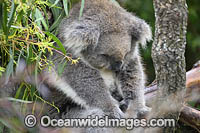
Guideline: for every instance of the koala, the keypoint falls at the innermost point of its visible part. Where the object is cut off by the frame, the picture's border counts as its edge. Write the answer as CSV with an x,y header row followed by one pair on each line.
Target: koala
x,y
109,77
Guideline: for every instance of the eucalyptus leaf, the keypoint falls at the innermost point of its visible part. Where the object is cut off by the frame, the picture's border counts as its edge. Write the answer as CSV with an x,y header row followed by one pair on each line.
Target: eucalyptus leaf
x,y
82,7
9,69
61,67
65,4
61,47
12,12
39,17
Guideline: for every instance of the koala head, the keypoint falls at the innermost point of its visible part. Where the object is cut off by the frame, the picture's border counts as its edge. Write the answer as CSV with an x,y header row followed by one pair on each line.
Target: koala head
x,y
104,35
109,52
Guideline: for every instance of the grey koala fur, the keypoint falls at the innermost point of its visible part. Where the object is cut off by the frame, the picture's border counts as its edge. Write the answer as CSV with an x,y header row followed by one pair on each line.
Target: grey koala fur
x,y
109,75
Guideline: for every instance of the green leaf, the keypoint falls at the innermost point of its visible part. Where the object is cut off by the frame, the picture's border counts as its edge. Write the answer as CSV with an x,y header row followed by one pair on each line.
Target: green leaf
x,y
4,122
56,10
25,94
5,17
46,15
1,71
9,69
82,7
29,54
61,67
18,100
12,12
17,95
1,14
61,47
40,18
65,3
57,22
20,16
55,3
33,89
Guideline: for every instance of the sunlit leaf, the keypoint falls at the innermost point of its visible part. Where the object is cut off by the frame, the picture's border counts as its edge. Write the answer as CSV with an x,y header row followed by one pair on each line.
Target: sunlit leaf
x,y
12,12
65,4
55,3
39,17
29,54
61,47
18,100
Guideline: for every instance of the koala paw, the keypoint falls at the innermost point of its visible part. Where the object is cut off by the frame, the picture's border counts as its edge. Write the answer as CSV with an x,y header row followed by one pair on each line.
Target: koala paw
x,y
123,105
143,112
115,113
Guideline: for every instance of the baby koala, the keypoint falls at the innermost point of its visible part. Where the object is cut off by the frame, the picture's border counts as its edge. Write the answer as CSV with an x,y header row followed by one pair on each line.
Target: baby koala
x,y
126,83
132,82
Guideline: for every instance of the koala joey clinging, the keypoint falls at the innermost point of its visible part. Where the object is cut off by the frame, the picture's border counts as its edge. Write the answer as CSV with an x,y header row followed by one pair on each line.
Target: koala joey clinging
x,y
106,39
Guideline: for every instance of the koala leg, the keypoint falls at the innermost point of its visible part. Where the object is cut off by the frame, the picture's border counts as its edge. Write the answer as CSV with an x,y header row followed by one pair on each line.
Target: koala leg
x,y
84,113
132,80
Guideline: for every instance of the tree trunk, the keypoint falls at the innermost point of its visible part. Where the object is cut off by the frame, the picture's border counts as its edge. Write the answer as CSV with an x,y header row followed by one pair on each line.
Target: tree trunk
x,y
189,116
168,56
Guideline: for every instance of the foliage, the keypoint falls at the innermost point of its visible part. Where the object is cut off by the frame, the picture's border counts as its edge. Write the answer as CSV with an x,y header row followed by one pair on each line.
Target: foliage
x,y
28,30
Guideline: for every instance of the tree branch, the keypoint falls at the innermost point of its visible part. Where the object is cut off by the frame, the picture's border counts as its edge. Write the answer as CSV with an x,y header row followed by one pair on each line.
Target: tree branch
x,y
188,115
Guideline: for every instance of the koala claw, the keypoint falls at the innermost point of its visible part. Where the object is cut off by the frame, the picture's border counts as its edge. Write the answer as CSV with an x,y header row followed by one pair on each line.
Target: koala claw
x,y
143,112
124,105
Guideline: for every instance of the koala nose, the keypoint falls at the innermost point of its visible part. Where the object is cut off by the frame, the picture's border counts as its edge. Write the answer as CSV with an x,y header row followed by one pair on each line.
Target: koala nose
x,y
117,65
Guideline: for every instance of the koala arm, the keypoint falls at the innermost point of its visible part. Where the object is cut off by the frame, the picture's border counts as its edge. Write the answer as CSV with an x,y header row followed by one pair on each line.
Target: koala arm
x,y
78,35
85,87
131,76
92,89
132,81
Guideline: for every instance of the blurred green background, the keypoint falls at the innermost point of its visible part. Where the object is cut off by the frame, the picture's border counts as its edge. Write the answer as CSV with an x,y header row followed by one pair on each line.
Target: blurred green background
x,y
144,9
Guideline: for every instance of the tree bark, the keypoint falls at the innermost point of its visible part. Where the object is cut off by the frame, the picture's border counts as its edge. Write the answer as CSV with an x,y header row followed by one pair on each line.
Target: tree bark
x,y
191,117
192,84
168,56
188,115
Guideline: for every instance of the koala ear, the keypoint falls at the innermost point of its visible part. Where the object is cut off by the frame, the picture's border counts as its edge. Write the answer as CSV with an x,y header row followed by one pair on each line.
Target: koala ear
x,y
146,34
78,35
141,31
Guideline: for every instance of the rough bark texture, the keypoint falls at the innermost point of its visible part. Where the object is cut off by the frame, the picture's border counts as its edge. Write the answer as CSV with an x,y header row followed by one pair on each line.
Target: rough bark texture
x,y
169,44
191,117
192,84
168,56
